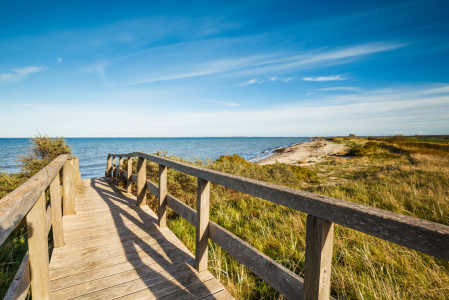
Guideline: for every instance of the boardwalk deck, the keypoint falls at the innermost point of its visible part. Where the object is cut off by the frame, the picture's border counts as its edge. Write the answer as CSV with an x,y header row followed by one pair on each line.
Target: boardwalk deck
x,y
115,250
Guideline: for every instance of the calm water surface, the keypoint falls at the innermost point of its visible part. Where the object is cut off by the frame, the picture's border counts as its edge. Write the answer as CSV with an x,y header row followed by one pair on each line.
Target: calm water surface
x,y
92,152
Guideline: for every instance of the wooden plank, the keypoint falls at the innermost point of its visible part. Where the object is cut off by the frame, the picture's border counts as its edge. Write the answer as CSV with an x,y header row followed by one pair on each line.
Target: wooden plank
x,y
318,264
154,189
182,209
128,176
120,174
421,235
68,188
15,205
141,181
20,285
274,274
109,167
162,272
38,250
156,286
114,167
96,274
82,267
202,224
162,203
198,291
222,295
56,212
76,164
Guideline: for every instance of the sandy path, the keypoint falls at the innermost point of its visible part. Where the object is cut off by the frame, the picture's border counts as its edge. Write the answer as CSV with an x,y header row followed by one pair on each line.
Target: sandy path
x,y
305,153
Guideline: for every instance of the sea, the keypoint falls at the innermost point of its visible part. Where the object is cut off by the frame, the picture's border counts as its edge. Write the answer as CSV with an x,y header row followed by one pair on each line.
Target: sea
x,y
92,152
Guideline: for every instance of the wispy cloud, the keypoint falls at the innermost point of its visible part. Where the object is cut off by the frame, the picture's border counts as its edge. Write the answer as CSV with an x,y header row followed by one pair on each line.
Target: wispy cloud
x,y
19,74
224,103
340,88
252,81
325,78
59,60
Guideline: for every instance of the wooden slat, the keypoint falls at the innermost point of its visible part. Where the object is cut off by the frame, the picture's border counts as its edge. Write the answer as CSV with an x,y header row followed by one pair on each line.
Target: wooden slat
x,y
141,181
38,250
15,205
274,274
202,224
154,189
128,177
22,280
421,235
162,203
56,217
109,167
68,188
318,264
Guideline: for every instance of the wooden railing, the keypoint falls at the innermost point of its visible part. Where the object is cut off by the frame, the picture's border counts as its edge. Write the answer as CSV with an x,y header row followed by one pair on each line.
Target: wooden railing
x,y
424,236
28,201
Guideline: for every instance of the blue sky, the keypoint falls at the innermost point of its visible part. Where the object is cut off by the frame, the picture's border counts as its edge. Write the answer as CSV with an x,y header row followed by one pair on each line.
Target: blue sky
x,y
235,68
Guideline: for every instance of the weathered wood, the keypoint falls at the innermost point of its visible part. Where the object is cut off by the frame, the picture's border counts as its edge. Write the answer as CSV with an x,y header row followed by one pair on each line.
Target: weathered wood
x,y
129,181
162,203
68,188
15,205
274,274
56,212
141,181
154,189
109,167
38,250
114,167
120,174
20,285
182,209
202,224
76,164
318,265
421,235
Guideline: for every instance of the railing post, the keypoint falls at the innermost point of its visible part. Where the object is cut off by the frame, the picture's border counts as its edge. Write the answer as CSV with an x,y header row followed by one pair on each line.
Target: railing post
x,y
109,167
38,248
76,164
129,179
318,264
56,212
162,195
141,181
202,224
114,167
120,171
68,188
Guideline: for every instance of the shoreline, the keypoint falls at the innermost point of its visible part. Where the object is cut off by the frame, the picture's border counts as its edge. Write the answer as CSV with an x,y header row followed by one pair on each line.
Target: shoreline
x,y
305,154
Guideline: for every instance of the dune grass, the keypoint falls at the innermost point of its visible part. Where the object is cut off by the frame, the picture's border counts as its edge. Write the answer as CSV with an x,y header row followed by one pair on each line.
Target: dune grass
x,y
398,176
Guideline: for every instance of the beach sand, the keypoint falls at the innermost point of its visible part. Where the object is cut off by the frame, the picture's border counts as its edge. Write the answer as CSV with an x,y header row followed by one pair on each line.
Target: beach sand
x,y
305,154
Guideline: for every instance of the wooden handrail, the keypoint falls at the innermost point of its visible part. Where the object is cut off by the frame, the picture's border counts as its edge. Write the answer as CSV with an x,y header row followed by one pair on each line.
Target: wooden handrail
x,y
28,200
417,234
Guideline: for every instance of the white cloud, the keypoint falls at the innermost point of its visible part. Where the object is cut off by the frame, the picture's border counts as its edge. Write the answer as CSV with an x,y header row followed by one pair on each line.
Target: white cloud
x,y
325,78
59,60
224,103
340,88
248,82
19,74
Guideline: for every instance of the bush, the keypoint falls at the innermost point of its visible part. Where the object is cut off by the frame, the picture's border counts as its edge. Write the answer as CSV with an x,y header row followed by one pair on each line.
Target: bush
x,y
44,149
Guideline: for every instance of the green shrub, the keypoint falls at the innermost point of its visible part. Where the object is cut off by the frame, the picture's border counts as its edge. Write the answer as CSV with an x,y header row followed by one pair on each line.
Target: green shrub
x,y
44,149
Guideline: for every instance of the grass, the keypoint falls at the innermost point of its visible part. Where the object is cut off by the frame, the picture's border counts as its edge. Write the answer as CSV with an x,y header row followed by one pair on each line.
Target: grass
x,y
396,175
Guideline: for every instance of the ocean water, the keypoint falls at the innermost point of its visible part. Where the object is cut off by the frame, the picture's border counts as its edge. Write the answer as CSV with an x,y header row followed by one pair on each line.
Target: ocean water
x,y
92,152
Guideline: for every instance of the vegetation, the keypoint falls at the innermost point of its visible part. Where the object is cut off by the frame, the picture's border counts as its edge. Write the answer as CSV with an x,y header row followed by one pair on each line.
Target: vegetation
x,y
43,150
392,174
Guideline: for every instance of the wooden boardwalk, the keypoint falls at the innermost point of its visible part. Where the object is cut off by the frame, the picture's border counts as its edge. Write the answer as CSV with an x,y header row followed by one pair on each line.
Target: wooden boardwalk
x,y
115,250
